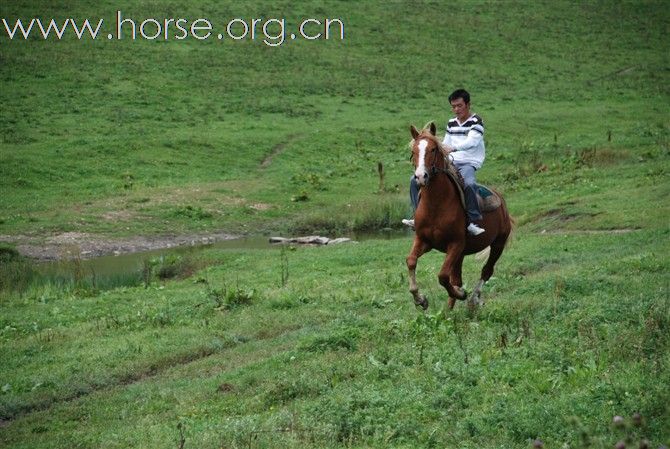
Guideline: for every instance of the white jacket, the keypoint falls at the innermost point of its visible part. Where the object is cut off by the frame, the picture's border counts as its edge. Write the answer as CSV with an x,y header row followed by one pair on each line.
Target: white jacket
x,y
467,139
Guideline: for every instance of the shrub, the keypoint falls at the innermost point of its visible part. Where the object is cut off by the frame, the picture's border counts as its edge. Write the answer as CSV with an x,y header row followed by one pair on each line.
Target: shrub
x,y
168,267
229,299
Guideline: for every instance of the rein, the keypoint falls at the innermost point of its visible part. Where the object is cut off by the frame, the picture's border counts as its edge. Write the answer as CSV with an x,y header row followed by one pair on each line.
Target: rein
x,y
434,170
451,172
448,168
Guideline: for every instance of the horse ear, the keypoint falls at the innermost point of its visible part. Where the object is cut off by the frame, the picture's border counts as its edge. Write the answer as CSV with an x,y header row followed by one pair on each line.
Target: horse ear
x,y
414,131
433,128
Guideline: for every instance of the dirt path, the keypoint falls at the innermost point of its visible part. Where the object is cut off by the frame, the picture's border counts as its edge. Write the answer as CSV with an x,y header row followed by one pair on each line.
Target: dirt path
x,y
277,150
87,246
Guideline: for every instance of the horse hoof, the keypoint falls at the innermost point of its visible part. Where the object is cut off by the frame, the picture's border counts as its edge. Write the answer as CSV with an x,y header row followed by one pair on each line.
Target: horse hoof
x,y
475,301
422,302
452,303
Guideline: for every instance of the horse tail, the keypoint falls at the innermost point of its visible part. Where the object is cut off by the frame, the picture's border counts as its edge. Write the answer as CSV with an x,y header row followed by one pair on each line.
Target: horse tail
x,y
483,254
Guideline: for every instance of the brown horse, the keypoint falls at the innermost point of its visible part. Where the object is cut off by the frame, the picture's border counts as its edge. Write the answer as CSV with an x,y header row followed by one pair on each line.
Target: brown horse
x,y
440,222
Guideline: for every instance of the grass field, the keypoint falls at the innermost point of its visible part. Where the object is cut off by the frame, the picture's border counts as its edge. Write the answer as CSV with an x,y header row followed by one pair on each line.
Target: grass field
x,y
322,347
145,137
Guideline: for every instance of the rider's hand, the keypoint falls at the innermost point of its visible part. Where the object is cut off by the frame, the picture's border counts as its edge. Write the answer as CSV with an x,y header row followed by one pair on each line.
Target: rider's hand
x,y
447,149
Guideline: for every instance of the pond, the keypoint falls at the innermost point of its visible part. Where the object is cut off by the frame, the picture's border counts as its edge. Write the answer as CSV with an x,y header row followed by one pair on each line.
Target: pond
x,y
132,263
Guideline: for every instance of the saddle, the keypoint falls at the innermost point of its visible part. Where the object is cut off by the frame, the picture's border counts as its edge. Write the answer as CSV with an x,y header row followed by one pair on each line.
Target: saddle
x,y
487,199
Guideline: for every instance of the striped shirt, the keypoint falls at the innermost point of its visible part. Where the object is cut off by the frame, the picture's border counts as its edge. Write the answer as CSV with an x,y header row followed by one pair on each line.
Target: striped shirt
x,y
467,139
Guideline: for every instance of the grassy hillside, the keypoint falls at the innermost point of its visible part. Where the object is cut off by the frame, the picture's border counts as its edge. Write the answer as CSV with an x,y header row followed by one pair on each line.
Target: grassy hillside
x,y
128,137
322,347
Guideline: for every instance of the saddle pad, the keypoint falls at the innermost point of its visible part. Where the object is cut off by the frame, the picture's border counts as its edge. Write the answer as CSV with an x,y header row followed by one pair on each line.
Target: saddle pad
x,y
484,191
488,199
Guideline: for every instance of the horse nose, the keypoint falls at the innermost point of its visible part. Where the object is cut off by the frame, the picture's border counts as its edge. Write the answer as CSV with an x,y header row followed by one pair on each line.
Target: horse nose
x,y
421,178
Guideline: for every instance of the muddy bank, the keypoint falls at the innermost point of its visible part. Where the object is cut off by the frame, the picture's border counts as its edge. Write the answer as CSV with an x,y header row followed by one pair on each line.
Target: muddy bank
x,y
87,246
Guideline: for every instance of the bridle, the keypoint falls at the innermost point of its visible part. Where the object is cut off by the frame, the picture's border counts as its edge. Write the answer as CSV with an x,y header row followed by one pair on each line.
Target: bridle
x,y
448,169
433,168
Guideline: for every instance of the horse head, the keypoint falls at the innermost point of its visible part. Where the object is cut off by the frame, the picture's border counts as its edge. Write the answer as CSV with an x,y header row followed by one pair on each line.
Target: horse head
x,y
427,154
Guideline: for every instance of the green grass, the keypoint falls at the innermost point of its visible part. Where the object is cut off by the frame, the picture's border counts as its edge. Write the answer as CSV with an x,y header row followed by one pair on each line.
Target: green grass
x,y
322,347
575,332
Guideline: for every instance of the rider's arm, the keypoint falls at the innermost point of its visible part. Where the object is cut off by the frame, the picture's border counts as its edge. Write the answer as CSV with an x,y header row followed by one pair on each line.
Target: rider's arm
x,y
446,143
475,136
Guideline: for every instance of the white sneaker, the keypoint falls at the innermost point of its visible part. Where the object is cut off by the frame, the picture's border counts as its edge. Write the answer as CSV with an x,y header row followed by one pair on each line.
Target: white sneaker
x,y
408,223
473,229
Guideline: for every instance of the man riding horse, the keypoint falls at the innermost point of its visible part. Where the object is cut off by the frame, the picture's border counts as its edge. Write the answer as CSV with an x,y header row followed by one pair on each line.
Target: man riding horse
x,y
464,143
448,217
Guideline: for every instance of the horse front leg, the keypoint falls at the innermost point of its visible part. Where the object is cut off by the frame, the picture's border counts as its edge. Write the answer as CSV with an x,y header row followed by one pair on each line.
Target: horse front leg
x,y
419,248
447,273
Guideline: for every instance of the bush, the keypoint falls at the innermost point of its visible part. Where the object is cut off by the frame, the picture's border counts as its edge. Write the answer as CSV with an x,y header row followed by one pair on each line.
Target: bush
x,y
168,267
233,298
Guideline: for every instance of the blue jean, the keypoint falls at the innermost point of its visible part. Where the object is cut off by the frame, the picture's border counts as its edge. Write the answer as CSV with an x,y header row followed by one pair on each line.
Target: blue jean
x,y
471,205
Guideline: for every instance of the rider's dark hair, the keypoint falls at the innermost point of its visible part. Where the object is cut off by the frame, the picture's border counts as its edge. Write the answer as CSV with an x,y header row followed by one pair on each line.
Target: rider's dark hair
x,y
460,93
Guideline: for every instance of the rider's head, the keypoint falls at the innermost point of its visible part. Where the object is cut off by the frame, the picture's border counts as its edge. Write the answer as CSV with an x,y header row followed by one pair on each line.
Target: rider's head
x,y
460,104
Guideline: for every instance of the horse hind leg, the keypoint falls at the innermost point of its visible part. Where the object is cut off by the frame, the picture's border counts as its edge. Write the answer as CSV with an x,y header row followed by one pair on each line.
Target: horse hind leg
x,y
497,248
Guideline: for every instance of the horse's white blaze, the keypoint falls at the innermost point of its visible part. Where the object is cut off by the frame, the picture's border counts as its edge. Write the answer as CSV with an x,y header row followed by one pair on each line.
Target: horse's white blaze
x,y
421,167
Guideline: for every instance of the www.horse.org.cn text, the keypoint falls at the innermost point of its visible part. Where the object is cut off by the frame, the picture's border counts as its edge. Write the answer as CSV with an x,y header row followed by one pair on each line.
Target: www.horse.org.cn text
x,y
270,31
